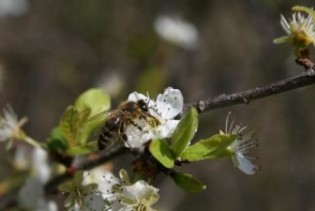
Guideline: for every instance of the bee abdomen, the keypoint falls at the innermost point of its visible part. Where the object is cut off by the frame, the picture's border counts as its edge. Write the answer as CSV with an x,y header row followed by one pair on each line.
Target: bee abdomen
x,y
104,139
108,133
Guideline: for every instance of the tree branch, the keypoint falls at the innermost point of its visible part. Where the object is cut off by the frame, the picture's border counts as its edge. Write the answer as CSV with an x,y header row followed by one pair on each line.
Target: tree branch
x,y
223,100
86,164
245,97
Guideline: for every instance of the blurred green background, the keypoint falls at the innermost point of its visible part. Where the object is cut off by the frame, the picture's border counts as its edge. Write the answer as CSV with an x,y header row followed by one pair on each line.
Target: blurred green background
x,y
52,50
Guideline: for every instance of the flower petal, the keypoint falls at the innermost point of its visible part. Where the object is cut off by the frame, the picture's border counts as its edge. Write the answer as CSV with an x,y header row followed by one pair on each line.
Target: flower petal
x,y
245,165
135,97
40,164
170,103
136,138
166,130
139,191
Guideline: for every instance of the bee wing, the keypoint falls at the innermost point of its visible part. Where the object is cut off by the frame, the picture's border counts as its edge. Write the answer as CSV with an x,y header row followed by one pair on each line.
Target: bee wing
x,y
95,123
100,117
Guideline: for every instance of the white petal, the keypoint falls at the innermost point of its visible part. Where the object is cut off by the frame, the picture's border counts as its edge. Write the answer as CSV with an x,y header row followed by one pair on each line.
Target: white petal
x,y
52,206
116,206
31,193
176,31
170,103
105,181
136,138
138,191
43,205
41,169
135,97
285,25
166,130
245,165
93,201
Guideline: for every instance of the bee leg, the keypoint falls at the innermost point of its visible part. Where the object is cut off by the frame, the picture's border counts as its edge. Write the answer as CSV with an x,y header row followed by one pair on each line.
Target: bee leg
x,y
136,125
122,134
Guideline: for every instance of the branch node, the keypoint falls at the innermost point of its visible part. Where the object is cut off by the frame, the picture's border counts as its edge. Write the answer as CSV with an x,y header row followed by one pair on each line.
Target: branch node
x,y
201,105
245,100
306,63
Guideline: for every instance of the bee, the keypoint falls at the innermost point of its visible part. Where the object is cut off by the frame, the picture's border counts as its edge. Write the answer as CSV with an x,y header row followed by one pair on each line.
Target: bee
x,y
126,114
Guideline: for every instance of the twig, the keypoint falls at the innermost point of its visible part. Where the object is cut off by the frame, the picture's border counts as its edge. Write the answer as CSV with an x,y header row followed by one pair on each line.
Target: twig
x,y
224,100
221,101
10,200
86,164
245,97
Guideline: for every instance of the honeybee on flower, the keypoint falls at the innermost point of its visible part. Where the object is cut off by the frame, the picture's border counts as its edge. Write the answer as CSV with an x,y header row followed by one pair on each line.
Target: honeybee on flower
x,y
140,119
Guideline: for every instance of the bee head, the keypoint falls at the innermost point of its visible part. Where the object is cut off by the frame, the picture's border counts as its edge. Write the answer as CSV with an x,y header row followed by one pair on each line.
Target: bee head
x,y
143,105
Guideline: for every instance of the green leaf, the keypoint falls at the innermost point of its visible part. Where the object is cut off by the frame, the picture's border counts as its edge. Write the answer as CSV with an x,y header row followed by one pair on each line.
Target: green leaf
x,y
307,10
162,152
56,141
281,40
82,149
69,125
188,183
94,99
185,131
210,148
91,105
90,125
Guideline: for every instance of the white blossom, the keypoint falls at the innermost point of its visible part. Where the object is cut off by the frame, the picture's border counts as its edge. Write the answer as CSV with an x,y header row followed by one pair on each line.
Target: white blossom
x,y
13,7
241,146
10,126
31,196
21,159
139,195
105,181
177,31
40,165
300,29
164,110
114,194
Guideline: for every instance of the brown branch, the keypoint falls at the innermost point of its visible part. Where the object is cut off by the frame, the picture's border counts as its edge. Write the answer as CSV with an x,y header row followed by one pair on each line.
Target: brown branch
x,y
245,97
224,100
10,200
88,163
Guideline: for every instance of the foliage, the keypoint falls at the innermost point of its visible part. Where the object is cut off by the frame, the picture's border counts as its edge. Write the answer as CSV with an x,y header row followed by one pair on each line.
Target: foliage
x,y
160,134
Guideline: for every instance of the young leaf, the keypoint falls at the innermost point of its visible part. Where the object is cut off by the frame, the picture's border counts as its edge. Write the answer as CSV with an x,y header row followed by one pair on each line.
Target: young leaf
x,y
82,149
56,141
69,125
210,148
281,40
185,131
74,126
162,152
188,183
94,99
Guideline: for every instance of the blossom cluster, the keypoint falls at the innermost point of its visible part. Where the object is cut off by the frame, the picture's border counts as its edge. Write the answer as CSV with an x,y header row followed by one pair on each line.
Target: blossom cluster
x,y
99,189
